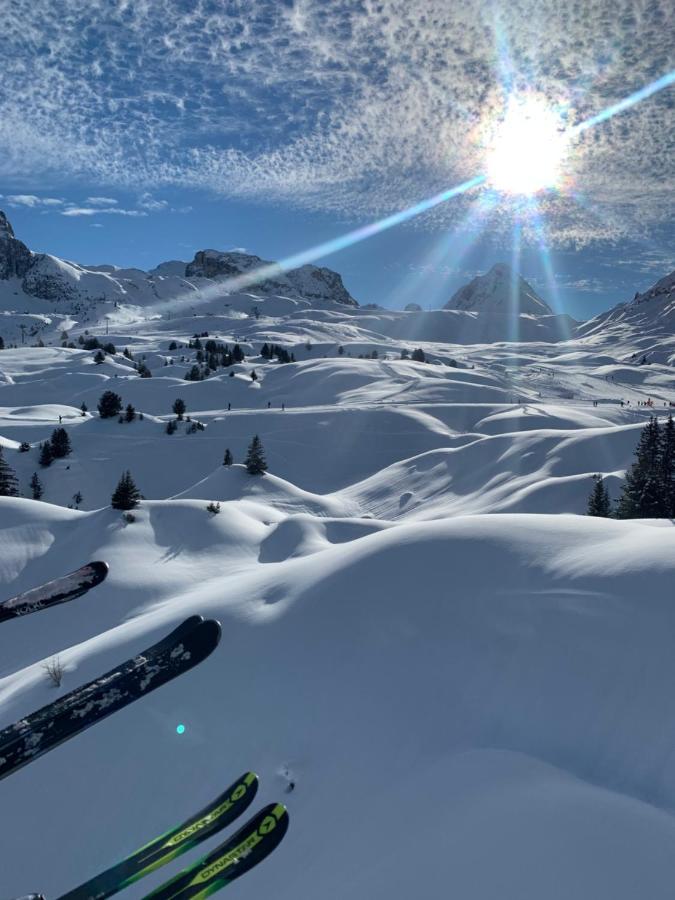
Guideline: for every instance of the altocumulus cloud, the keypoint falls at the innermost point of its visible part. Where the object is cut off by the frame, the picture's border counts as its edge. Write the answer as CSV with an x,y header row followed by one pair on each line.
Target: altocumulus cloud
x,y
354,108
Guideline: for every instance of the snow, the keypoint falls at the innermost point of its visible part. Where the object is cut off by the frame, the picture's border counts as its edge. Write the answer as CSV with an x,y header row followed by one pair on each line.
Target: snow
x,y
468,680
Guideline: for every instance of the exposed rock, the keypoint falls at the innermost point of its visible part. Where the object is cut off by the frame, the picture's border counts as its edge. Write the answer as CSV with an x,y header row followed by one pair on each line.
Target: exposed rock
x,y
311,282
15,257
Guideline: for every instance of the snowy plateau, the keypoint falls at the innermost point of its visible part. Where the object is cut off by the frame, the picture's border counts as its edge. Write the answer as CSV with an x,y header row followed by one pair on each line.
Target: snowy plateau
x,y
468,680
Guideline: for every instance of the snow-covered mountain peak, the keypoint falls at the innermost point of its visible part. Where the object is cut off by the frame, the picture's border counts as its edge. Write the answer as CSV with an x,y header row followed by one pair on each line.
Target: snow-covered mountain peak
x,y
499,291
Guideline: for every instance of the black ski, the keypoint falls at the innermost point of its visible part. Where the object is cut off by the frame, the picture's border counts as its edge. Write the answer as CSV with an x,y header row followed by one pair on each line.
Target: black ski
x,y
35,721
54,592
217,815
178,652
238,855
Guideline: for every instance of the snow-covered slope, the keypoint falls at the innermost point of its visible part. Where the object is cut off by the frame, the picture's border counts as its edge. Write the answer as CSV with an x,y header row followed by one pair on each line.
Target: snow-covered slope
x,y
474,706
467,679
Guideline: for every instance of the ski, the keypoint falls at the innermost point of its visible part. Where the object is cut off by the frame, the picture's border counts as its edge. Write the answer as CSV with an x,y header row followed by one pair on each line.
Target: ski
x,y
236,856
217,815
179,652
54,592
45,714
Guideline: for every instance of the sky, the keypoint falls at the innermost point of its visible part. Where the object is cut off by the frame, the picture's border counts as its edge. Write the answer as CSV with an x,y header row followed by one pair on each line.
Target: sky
x,y
136,132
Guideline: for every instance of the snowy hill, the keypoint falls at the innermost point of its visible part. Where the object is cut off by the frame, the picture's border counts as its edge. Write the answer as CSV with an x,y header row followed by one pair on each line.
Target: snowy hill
x,y
467,679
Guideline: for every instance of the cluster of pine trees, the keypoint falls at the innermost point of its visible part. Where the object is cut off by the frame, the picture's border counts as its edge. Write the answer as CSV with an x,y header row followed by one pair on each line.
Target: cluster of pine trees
x,y
57,447
270,351
649,489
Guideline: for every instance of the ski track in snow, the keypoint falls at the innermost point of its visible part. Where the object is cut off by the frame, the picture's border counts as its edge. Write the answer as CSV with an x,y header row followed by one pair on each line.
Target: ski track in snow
x,y
469,680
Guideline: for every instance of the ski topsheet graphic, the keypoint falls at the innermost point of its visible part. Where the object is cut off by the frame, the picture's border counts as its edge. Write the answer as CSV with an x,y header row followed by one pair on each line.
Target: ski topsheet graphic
x,y
54,592
232,859
217,815
181,650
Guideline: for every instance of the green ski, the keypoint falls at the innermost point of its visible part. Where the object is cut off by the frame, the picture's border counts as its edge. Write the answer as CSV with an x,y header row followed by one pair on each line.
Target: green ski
x,y
239,854
217,815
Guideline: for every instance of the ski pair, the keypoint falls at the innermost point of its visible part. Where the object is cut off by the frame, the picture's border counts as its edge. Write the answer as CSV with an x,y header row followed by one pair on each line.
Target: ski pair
x,y
185,647
54,592
247,847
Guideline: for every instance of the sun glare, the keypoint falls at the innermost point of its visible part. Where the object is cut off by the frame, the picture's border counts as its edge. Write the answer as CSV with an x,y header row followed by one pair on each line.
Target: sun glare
x,y
526,150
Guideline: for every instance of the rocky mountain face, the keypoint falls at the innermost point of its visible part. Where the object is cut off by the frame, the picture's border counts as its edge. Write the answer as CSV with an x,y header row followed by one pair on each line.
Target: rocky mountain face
x,y
310,282
49,278
15,257
651,311
494,293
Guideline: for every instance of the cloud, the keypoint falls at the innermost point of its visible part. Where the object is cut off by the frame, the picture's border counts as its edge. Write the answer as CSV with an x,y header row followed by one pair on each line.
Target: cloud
x,y
101,201
147,201
354,109
98,211
32,201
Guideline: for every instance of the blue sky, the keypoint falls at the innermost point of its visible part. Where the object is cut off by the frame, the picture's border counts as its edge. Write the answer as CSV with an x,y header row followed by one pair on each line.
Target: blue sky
x,y
133,133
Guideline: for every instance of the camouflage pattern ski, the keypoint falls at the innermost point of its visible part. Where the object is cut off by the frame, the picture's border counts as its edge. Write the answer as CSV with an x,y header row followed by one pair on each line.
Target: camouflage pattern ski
x,y
179,652
220,813
232,859
54,592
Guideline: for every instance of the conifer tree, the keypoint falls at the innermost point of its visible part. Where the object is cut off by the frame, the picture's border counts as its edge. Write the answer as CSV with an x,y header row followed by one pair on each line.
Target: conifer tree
x,y
255,458
179,407
126,495
642,496
598,502
8,482
129,413
36,487
46,455
667,466
60,443
227,459
110,405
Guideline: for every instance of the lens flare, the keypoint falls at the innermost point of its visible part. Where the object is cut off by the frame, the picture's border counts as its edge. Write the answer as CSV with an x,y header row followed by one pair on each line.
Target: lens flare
x,y
527,148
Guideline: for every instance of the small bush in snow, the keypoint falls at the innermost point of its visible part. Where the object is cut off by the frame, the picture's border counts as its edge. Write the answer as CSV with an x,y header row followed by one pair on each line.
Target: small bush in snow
x,y
213,508
55,670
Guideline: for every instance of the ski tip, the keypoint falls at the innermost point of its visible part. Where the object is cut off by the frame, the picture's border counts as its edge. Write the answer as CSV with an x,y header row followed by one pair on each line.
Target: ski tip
x,y
100,568
213,628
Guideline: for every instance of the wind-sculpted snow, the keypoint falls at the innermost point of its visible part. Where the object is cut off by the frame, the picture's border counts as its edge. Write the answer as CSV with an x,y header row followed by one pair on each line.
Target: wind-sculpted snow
x,y
503,680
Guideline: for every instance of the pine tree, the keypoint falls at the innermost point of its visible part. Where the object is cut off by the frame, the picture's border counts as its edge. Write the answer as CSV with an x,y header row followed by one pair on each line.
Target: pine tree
x,y
46,455
418,355
598,502
179,407
129,413
36,487
255,458
83,407
667,466
126,495
60,443
227,459
254,376
642,495
110,405
99,357
8,482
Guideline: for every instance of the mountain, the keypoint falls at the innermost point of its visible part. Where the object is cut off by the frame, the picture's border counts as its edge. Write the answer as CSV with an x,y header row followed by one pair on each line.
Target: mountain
x,y
654,309
311,282
45,277
493,293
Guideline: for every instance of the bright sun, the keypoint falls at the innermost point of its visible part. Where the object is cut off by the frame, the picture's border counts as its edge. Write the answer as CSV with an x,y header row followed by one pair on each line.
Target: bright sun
x,y
527,148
